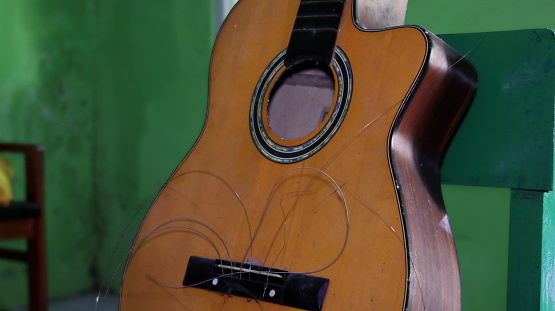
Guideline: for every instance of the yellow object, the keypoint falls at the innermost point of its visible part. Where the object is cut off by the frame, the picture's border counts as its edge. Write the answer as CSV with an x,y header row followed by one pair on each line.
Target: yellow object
x,y
6,176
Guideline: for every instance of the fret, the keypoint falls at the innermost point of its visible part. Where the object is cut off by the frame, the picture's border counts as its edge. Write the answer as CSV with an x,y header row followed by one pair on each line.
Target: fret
x,y
315,29
328,22
319,16
318,10
314,32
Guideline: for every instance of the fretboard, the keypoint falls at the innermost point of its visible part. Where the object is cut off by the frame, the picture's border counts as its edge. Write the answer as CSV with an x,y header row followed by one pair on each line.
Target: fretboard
x,y
315,31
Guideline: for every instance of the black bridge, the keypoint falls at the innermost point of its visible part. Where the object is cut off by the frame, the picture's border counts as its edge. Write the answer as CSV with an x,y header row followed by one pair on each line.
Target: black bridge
x,y
260,283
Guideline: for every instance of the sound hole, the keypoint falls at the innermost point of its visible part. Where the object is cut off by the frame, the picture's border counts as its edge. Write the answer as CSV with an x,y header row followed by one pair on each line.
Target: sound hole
x,y
300,100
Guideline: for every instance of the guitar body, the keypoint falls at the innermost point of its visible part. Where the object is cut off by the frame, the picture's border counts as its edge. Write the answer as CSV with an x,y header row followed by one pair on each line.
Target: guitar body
x,y
362,209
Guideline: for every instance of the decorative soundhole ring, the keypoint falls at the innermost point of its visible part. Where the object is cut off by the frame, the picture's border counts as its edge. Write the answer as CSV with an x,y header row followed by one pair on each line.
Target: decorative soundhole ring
x,y
291,154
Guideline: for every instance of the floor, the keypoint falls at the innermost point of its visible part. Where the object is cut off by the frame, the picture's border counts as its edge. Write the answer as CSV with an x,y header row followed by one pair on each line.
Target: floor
x,y
85,302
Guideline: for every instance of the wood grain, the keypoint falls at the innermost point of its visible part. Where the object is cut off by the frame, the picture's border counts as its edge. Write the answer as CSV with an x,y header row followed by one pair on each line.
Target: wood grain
x,y
341,207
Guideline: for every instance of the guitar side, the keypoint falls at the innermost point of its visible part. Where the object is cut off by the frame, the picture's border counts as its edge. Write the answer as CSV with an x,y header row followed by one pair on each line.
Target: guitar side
x,y
418,143
364,212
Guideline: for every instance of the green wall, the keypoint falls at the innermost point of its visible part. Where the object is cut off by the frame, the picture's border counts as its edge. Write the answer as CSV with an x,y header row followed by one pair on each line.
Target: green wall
x,y
46,73
152,94
449,16
480,216
116,92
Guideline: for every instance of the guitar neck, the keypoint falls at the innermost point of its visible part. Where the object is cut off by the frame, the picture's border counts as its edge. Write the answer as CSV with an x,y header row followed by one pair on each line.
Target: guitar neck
x,y
315,31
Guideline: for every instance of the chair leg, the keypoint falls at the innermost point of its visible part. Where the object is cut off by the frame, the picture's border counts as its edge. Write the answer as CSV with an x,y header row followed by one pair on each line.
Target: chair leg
x,y
37,274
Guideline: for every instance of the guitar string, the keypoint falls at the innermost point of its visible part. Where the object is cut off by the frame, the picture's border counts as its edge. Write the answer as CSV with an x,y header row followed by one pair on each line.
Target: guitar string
x,y
432,75
256,231
374,210
157,229
231,188
358,196
286,216
117,246
250,246
267,206
299,195
336,190
411,262
282,199
120,263
154,231
380,116
127,255
231,274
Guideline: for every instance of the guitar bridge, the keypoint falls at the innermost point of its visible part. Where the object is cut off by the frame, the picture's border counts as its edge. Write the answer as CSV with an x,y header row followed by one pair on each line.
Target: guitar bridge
x,y
276,286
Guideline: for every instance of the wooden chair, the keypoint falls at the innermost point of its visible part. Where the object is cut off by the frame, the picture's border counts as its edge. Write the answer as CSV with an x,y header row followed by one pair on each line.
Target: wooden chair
x,y
26,220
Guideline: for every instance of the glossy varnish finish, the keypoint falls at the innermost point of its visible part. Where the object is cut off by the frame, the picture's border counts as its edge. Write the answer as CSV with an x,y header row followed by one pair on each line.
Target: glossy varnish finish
x,y
338,214
418,143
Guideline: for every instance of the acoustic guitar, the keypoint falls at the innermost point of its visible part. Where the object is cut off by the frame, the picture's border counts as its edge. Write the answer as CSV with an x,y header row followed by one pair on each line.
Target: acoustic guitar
x,y
315,183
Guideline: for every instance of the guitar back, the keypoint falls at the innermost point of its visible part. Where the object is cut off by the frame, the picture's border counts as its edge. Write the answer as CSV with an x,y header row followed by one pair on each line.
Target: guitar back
x,y
356,202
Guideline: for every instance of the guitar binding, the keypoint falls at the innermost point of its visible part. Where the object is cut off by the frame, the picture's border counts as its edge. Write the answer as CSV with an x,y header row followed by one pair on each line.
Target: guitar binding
x,y
282,153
